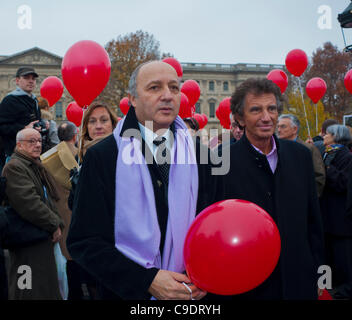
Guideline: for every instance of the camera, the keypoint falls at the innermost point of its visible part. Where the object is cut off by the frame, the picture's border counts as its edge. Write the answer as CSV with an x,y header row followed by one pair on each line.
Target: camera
x,y
41,124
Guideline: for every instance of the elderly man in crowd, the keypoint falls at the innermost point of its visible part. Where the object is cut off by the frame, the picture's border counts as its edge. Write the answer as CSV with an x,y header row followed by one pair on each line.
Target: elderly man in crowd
x,y
288,128
31,192
278,176
131,215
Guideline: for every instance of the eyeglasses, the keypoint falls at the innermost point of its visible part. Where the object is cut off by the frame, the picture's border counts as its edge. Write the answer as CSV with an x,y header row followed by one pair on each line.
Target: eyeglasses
x,y
33,142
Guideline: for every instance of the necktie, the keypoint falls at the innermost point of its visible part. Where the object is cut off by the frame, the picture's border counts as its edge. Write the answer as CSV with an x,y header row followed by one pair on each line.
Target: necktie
x,y
162,158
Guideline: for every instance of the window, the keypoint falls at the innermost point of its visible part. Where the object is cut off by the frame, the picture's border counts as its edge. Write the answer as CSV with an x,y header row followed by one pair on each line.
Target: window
x,y
225,86
211,86
198,107
212,109
58,110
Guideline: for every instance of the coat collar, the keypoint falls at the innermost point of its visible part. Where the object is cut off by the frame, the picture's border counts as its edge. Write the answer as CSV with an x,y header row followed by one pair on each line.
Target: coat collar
x,y
245,142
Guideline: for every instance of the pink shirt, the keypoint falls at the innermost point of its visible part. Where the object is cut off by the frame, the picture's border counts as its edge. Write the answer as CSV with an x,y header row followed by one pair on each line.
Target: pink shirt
x,y
271,156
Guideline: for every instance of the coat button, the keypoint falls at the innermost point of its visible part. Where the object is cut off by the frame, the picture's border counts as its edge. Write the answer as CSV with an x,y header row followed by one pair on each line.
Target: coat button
x,y
159,183
269,194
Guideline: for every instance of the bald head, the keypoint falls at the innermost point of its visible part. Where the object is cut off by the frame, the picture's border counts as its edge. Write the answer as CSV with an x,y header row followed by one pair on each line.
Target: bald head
x,y
155,94
132,84
24,133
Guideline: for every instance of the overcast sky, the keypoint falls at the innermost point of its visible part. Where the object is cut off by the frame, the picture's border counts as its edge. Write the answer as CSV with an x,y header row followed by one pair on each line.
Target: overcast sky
x,y
209,31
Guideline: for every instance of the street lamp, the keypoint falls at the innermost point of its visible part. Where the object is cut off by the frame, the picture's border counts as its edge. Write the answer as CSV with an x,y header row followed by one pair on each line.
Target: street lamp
x,y
345,19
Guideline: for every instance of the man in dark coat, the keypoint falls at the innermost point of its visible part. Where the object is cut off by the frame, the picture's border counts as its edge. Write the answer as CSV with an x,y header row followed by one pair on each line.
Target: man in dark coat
x,y
278,176
108,208
19,109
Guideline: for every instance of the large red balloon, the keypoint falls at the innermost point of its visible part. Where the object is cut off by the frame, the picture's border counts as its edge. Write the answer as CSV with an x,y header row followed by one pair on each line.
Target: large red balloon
x,y
348,81
279,77
185,108
51,89
231,247
316,88
296,62
85,71
192,90
177,66
124,105
74,113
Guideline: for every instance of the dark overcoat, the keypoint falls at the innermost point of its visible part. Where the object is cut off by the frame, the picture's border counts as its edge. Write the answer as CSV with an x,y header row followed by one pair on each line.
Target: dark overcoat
x,y
91,239
24,190
289,196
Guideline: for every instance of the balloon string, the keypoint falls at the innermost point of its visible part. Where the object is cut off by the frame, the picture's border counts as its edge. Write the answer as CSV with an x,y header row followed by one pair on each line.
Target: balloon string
x,y
80,132
316,117
304,106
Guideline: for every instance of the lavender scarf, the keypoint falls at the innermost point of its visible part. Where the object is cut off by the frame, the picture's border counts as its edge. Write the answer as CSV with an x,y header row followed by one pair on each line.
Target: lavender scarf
x,y
137,232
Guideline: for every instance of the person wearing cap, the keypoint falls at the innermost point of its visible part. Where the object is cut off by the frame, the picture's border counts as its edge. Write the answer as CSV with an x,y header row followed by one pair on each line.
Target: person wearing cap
x,y
18,110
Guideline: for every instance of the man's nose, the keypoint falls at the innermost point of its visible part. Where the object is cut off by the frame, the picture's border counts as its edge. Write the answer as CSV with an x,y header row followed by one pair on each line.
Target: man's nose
x,y
166,94
266,116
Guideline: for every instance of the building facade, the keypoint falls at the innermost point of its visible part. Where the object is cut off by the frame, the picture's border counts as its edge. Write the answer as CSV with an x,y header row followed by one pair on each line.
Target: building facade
x,y
216,81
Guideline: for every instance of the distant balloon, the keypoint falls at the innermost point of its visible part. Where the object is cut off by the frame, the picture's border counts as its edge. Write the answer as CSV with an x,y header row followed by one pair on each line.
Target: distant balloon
x,y
177,66
124,105
74,113
348,81
51,89
192,90
280,78
316,88
185,109
296,62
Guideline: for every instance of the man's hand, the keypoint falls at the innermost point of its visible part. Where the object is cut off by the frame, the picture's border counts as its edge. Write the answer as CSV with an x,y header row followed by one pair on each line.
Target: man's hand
x,y
30,126
310,140
167,285
57,235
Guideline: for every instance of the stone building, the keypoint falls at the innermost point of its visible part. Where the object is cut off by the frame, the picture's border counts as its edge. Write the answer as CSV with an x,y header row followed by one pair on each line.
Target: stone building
x,y
217,81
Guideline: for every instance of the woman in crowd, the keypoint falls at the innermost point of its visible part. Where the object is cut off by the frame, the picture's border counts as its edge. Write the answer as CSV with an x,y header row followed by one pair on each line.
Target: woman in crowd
x,y
337,224
98,122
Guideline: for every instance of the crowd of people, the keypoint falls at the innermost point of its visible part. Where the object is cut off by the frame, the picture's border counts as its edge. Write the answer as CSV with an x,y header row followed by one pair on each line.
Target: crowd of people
x,y
106,207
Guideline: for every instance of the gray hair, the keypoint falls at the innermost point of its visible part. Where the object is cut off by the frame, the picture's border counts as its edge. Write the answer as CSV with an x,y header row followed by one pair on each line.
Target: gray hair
x,y
66,131
19,136
340,133
294,120
132,83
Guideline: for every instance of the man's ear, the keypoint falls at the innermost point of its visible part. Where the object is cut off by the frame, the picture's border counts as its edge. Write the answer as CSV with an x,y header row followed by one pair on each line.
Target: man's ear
x,y
132,100
239,120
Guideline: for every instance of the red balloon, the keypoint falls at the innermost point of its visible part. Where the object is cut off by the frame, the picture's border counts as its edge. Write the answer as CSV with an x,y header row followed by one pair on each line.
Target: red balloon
x,y
193,110
231,247
296,62
85,71
74,113
192,90
124,106
185,109
279,77
348,81
205,119
199,119
51,89
316,88
177,66
223,113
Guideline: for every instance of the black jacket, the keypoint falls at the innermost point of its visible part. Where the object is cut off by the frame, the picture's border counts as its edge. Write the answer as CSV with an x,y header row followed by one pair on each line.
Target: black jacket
x,y
15,113
289,196
334,201
91,240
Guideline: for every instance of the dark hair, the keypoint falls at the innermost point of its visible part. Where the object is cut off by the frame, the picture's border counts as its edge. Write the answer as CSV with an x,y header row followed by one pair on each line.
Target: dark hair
x,y
256,86
42,103
66,131
193,123
327,123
